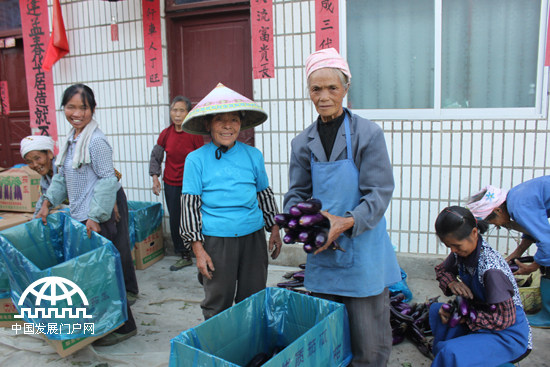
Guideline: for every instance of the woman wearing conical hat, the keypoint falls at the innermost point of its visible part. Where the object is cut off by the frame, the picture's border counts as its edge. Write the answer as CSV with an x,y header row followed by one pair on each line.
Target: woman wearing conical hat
x,y
227,202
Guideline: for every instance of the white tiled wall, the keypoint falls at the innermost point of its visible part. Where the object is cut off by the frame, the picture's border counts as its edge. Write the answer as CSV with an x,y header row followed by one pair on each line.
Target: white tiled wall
x,y
129,113
436,163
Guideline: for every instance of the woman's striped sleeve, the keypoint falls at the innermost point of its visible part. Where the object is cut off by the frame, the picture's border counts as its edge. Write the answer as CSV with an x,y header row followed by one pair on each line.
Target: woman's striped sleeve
x,y
268,206
191,219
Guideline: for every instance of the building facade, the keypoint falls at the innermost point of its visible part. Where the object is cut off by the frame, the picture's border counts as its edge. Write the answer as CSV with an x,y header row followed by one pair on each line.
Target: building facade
x,y
459,87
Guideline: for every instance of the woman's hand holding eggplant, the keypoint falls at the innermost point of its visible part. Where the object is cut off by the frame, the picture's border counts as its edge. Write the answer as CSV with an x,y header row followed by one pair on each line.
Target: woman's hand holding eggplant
x,y
460,289
275,242
338,225
44,211
444,315
204,262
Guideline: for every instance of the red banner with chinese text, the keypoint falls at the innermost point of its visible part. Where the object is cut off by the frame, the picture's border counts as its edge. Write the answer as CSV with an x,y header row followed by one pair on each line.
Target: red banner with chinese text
x,y
327,31
262,38
152,42
36,35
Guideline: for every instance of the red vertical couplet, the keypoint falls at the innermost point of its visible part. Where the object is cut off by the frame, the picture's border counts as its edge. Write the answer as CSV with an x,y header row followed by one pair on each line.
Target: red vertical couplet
x,y
327,31
261,12
152,42
4,98
547,60
35,27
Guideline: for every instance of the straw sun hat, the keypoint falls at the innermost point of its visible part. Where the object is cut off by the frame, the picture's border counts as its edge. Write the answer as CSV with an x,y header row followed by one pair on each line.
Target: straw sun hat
x,y
221,100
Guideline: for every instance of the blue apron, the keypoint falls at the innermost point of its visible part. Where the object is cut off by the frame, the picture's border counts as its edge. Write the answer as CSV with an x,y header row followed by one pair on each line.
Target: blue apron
x,y
498,346
369,264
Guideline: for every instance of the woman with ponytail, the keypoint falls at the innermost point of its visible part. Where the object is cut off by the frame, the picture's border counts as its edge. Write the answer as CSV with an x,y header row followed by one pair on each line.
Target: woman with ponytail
x,y
479,273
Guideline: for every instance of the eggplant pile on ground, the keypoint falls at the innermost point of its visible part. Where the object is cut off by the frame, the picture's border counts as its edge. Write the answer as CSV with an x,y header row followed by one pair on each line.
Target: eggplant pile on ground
x,y
411,321
262,357
461,308
296,281
307,225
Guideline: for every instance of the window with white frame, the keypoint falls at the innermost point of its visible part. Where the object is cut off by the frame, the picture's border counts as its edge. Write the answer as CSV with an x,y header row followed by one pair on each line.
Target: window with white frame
x,y
438,58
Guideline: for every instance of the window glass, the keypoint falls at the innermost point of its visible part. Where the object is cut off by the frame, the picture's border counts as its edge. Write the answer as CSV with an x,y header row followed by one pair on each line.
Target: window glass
x,y
9,15
489,53
390,50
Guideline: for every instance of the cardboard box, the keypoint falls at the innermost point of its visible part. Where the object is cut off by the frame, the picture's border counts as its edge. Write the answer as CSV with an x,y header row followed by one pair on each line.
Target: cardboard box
x,y
68,347
11,219
19,189
7,314
150,250
313,332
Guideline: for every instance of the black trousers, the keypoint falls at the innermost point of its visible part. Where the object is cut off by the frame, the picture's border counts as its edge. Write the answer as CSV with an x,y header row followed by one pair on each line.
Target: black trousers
x,y
172,194
109,231
122,243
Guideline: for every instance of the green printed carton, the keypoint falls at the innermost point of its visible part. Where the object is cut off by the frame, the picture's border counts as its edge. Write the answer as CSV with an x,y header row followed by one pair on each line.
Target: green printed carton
x,y
19,189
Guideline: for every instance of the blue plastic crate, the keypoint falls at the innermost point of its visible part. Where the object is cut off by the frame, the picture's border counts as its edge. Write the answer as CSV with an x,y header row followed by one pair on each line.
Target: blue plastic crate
x,y
314,332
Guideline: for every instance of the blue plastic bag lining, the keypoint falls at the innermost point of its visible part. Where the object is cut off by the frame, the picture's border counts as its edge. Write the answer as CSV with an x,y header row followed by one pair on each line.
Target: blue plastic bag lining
x,y
402,287
32,251
313,331
144,219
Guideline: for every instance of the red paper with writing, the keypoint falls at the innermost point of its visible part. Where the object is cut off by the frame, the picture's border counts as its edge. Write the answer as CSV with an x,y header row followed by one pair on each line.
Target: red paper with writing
x,y
35,27
152,42
261,12
327,32
4,98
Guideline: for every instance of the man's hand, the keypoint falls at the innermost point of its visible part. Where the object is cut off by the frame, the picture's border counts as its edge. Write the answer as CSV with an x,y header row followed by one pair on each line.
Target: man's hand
x,y
444,315
92,226
204,262
275,242
525,269
338,225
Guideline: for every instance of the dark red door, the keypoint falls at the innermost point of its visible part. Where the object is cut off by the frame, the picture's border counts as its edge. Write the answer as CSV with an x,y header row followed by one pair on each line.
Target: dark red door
x,y
16,125
210,48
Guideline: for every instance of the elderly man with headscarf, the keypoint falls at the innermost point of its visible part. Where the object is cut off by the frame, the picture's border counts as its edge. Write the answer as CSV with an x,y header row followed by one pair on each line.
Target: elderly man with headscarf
x,y
525,208
342,160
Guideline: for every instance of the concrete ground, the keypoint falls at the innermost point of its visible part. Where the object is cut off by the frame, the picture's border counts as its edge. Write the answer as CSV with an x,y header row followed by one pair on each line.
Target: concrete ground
x,y
169,304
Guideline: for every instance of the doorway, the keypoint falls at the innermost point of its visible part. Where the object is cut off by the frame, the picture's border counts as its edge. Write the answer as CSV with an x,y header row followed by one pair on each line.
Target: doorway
x,y
207,47
15,125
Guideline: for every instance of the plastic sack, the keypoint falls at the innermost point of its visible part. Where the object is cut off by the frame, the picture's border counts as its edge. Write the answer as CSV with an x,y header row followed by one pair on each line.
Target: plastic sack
x,y
31,251
144,218
402,287
313,331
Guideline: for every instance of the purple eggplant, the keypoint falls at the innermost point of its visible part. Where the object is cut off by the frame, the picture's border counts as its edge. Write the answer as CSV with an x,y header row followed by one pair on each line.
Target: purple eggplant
x,y
300,275
294,223
311,206
398,298
276,350
472,314
282,219
421,320
514,268
291,284
446,307
306,236
308,220
309,248
455,319
462,305
302,266
397,339
321,237
399,316
295,212
258,360
290,237
523,259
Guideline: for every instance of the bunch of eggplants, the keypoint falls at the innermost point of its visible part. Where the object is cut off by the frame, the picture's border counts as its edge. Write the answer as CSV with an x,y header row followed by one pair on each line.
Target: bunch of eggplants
x,y
296,281
460,307
307,225
411,321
